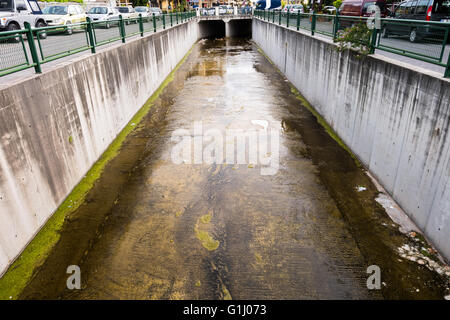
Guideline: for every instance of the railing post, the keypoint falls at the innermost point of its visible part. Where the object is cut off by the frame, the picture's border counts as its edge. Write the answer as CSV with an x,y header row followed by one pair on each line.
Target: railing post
x,y
298,21
373,40
90,34
34,55
141,25
171,20
279,18
447,68
154,22
336,25
122,28
313,23
287,19
273,16
164,21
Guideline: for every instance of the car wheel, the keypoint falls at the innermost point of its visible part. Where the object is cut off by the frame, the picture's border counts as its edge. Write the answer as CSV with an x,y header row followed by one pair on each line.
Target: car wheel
x,y
12,27
413,35
43,34
385,33
69,30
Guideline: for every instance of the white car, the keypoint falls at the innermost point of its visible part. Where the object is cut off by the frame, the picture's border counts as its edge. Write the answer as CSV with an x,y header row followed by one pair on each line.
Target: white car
x,y
329,9
156,11
144,11
287,8
64,15
103,13
14,13
127,12
296,8
222,9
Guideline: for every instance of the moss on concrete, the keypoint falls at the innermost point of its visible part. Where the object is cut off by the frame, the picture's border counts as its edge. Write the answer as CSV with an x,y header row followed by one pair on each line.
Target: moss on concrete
x,y
21,271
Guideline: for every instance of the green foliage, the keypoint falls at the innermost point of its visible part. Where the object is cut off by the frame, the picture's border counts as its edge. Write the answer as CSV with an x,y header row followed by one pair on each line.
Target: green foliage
x,y
356,37
139,3
337,4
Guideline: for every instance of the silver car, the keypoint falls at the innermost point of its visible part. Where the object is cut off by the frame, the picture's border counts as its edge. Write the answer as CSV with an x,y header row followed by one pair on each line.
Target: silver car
x,y
155,11
105,14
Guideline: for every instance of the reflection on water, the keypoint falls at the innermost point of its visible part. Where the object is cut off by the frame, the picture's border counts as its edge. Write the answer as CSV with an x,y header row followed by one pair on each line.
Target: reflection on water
x,y
158,230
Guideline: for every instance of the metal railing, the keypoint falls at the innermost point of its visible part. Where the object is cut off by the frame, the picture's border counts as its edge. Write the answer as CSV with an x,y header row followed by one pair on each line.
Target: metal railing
x,y
31,47
420,40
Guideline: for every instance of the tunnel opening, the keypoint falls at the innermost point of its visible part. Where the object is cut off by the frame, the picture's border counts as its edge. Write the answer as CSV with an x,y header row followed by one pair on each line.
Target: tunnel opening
x,y
212,29
239,28
216,29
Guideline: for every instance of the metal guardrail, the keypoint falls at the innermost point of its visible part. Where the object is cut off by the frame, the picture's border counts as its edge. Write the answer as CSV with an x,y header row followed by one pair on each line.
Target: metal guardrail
x,y
32,47
420,40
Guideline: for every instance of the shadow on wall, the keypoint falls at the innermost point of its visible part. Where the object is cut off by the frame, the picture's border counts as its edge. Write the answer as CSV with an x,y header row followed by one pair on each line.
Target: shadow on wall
x,y
215,29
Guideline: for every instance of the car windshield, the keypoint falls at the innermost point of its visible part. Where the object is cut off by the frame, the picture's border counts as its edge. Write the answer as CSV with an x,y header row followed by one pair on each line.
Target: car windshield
x,y
442,7
55,10
123,9
6,5
98,10
141,9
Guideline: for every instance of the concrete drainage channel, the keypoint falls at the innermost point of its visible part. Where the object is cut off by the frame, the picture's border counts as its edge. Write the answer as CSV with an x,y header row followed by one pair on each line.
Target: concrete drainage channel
x,y
85,105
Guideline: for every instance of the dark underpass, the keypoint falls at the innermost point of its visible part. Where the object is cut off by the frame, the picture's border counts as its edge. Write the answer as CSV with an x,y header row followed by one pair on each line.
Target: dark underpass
x,y
216,29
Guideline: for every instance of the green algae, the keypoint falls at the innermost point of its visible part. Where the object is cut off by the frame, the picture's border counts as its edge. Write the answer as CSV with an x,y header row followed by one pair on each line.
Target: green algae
x,y
226,293
33,256
178,213
206,218
207,241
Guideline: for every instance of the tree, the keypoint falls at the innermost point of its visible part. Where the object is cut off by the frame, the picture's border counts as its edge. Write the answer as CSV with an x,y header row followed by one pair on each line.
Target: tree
x,y
337,4
139,3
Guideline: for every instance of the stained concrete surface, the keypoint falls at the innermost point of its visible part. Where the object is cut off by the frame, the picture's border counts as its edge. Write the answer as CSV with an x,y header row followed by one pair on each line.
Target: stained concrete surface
x,y
303,233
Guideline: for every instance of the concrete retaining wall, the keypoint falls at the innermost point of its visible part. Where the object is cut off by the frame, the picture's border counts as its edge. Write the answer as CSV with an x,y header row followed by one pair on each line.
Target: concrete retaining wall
x,y
394,118
54,126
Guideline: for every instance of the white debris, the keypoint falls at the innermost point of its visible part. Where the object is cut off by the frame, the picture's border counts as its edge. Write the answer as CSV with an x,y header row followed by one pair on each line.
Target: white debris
x,y
361,188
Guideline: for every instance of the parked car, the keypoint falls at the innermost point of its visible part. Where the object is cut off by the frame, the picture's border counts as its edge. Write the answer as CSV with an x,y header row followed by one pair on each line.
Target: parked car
x,y
358,8
287,8
209,11
424,10
222,9
329,9
104,13
143,11
64,15
127,13
297,8
230,9
155,11
14,13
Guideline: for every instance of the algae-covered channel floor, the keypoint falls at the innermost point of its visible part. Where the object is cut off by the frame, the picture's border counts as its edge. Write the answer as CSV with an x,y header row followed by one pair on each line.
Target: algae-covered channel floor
x,y
155,228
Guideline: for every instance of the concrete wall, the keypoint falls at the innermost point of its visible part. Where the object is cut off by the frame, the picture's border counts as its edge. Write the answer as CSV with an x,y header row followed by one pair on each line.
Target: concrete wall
x,y
54,126
394,118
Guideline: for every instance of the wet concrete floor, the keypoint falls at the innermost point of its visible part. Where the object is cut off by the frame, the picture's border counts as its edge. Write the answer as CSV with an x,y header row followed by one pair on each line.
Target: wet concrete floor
x,y
155,229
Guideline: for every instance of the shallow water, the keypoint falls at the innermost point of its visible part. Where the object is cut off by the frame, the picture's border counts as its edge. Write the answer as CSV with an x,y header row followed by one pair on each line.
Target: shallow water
x,y
154,229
